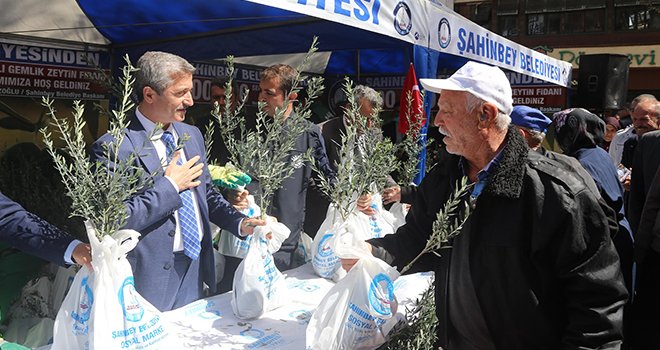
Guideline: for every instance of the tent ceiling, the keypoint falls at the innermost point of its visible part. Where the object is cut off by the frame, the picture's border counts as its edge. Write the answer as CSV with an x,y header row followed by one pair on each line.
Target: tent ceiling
x,y
199,30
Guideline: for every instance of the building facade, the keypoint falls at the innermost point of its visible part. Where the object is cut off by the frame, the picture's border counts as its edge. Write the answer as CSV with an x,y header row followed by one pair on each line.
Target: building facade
x,y
566,29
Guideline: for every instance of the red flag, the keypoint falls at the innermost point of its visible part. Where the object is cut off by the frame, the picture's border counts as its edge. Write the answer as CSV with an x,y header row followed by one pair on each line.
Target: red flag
x,y
416,109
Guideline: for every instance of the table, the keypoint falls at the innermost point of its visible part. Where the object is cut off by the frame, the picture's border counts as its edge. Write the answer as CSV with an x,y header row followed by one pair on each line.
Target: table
x,y
210,323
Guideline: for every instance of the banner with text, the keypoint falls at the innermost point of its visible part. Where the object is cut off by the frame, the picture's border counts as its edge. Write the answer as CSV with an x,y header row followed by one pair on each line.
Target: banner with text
x,y
422,22
33,71
244,79
453,34
533,92
403,20
640,56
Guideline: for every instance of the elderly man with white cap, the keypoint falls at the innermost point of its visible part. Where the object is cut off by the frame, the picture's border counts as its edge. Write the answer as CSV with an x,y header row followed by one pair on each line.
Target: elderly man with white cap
x,y
533,267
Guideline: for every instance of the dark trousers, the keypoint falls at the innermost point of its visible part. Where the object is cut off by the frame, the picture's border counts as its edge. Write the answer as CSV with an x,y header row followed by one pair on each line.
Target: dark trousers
x,y
646,315
185,283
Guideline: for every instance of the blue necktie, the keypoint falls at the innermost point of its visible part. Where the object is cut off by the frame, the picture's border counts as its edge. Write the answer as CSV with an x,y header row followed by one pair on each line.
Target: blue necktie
x,y
187,217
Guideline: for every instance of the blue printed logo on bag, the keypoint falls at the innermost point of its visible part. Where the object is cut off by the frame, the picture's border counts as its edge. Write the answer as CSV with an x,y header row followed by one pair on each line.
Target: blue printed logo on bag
x,y
325,248
81,318
381,294
133,311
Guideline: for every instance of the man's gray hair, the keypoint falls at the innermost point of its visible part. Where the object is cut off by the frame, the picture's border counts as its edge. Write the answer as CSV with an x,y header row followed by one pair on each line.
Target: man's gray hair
x,y
641,98
158,70
369,94
536,136
472,102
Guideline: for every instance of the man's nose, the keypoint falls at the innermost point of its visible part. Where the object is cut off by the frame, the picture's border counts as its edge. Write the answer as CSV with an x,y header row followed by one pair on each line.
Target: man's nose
x,y
436,120
188,100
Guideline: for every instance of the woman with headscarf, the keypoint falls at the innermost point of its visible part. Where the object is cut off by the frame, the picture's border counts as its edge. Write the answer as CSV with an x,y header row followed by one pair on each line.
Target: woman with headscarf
x,y
580,133
612,125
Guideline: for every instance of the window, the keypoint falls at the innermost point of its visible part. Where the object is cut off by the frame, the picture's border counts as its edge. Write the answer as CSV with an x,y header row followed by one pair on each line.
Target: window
x,y
554,23
479,13
561,22
594,20
507,25
574,22
562,5
535,24
507,7
637,18
535,6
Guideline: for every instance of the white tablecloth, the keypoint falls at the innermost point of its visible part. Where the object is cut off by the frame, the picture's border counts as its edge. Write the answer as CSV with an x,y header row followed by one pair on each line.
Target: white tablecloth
x,y
210,323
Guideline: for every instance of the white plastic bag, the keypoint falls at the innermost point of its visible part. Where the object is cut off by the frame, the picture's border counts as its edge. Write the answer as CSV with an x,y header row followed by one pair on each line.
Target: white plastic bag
x,y
61,285
358,312
102,309
304,249
258,285
362,227
381,223
233,246
398,211
324,260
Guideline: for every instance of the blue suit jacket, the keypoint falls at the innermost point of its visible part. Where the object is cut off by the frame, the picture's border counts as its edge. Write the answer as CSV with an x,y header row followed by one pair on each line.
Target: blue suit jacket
x,y
151,212
31,234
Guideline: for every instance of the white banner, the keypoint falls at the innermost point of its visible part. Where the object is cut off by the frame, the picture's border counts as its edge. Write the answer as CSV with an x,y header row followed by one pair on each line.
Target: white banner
x,y
424,23
404,20
458,36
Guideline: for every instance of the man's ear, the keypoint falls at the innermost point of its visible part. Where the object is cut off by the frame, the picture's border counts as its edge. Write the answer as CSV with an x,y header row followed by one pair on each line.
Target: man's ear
x,y
487,115
488,112
148,93
293,96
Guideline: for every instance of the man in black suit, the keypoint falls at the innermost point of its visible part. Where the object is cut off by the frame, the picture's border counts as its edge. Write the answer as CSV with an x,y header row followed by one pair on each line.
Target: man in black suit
x,y
647,255
332,130
29,233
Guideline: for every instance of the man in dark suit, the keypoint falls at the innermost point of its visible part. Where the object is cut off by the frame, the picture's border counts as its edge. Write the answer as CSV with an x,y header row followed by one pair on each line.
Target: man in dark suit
x,y
289,205
647,255
332,131
174,257
29,233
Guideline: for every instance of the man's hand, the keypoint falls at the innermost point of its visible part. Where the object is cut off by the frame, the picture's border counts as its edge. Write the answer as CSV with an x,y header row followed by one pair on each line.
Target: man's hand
x,y
238,199
626,183
248,225
82,255
392,194
364,204
185,175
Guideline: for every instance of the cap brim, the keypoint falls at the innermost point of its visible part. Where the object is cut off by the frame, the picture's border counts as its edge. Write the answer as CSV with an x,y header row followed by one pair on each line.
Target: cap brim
x,y
437,85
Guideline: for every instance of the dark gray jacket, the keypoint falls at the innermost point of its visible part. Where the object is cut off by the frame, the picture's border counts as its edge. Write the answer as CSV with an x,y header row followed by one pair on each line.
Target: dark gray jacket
x,y
543,266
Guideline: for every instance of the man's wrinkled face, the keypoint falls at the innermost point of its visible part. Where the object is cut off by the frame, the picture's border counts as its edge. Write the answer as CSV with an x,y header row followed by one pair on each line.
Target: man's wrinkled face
x,y
271,93
170,105
459,126
645,117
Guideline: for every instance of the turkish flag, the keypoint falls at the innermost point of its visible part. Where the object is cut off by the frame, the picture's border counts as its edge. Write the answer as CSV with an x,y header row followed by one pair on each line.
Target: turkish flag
x,y
415,110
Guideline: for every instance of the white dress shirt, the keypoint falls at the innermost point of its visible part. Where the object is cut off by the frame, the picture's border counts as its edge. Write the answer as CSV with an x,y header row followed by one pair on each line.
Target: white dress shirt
x,y
159,145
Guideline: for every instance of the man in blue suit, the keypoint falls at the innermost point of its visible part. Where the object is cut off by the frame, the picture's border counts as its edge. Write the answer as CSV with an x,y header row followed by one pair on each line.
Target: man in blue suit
x,y
174,257
31,234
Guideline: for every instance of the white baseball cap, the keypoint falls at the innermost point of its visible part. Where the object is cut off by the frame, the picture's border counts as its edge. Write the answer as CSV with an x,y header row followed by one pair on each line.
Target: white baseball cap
x,y
486,82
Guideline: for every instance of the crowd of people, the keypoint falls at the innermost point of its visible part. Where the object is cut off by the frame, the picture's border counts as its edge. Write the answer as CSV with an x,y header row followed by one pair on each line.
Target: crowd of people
x,y
560,250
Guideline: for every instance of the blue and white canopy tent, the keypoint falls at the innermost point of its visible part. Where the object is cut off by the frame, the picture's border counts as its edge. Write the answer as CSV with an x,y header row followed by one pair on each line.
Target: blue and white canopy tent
x,y
356,36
